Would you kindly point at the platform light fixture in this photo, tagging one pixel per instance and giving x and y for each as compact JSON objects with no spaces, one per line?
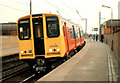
{"x":111,"y":14}
{"x":106,"y":6}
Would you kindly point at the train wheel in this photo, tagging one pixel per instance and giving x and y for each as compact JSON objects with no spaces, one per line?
{"x":75,"y":51}
{"x":68,"y":56}
{"x":63,"y":60}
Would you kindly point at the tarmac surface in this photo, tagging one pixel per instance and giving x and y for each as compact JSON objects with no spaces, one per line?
{"x":89,"y":64}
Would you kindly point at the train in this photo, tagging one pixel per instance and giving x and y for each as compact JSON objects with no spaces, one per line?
{"x":45,"y":38}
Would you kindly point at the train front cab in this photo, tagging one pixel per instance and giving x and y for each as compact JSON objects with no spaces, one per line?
{"x":40,"y":35}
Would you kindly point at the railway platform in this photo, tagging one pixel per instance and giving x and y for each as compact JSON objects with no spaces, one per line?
{"x":92,"y":63}
{"x":9,"y":45}
{"x":9,"y":51}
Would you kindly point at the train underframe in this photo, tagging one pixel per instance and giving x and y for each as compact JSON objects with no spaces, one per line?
{"x":42,"y":64}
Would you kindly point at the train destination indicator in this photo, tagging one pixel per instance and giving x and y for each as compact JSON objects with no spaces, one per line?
{"x":24,"y":21}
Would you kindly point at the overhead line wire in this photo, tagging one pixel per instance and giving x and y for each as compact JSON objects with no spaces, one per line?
{"x":52,"y":5}
{"x":56,"y":7}
{"x":70,"y":8}
{"x":20,"y":2}
{"x":12,"y":8}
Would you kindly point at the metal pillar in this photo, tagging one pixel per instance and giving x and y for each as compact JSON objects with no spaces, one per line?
{"x":99,"y":25}
{"x":85,"y":25}
{"x":30,"y":7}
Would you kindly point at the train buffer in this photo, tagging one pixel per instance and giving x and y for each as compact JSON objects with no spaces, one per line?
{"x":92,"y":63}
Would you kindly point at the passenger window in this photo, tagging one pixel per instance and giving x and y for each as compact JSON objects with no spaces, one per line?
{"x":74,"y":32}
{"x":71,"y":33}
{"x":37,"y":34}
{"x":52,"y":25}
{"x":38,"y":27}
{"x":80,"y":33}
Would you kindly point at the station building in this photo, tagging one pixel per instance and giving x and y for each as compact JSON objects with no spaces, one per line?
{"x":8,"y":28}
{"x":111,"y":33}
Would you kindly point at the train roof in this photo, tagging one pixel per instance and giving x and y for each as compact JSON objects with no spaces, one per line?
{"x":62,"y":18}
{"x":68,"y":20}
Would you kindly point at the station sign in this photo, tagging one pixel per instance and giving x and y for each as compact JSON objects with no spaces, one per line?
{"x":95,"y":29}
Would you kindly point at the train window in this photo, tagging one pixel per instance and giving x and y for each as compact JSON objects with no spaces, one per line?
{"x":74,"y":33}
{"x":78,"y":36}
{"x":71,"y":33}
{"x":38,"y":27}
{"x":52,"y":25}
{"x":80,"y":33}
{"x":24,"y":29}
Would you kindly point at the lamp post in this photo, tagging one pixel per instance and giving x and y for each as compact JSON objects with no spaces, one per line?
{"x":85,"y":24}
{"x":99,"y":25}
{"x":85,"y":21}
{"x":111,"y":16}
{"x":30,"y":7}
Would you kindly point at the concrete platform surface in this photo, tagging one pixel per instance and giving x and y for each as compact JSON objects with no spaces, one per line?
{"x":9,"y":45}
{"x":89,"y":64}
{"x":9,"y":51}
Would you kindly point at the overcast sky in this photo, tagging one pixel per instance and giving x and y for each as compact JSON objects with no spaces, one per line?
{"x":11,"y":10}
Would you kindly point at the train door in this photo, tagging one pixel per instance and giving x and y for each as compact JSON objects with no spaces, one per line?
{"x":74,"y":35}
{"x":38,"y":36}
{"x":65,"y":31}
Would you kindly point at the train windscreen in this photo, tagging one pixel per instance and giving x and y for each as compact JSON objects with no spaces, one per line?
{"x":52,"y":24}
{"x":24,"y":29}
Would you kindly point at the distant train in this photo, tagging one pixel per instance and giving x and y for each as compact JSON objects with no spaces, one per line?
{"x":47,"y":37}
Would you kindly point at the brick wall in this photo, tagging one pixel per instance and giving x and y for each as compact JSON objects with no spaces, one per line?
{"x":116,"y":38}
{"x":108,"y":39}
{"x":115,"y":45}
{"x":119,"y":44}
{"x":113,"y":40}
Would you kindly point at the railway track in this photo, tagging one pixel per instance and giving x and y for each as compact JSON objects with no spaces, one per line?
{"x":11,"y":66}
{"x":11,"y":58}
{"x":16,"y":70}
{"x":20,"y":71}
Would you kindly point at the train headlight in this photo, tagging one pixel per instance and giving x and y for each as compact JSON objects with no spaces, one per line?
{"x":58,"y":49}
{"x":21,"y":51}
{"x":50,"y":50}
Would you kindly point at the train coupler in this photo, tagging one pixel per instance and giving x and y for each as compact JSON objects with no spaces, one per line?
{"x":40,"y":65}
